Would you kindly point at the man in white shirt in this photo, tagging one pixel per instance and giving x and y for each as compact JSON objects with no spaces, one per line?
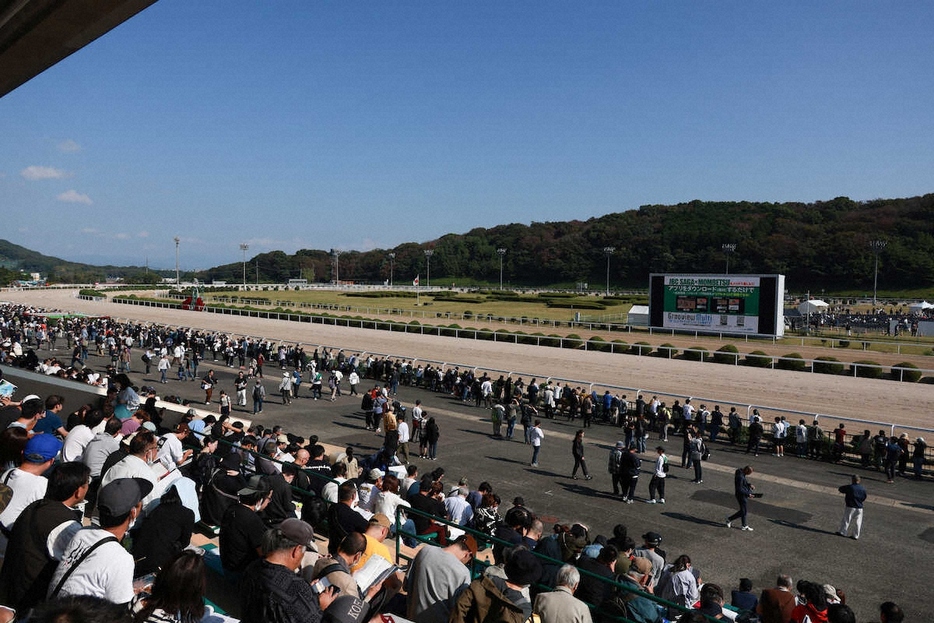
{"x":138,"y":464}
{"x":171,"y":452}
{"x":95,"y":563}
{"x":402,"y":428}
{"x":80,"y":436}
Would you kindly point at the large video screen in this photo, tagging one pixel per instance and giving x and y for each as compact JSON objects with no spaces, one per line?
{"x":745,"y":304}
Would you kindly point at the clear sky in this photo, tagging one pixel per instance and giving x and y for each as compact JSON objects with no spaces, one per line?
{"x":359,"y":125}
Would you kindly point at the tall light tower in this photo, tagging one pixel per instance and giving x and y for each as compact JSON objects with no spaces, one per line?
{"x":877,"y":247}
{"x":428,"y":254}
{"x":244,"y":248}
{"x":609,"y":251}
{"x":178,"y":284}
{"x":337,"y":266}
{"x":392,"y":262}
{"x":728,"y":248}
{"x":502,"y":253}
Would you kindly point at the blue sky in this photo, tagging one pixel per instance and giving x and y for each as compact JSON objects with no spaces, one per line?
{"x":362,"y":125}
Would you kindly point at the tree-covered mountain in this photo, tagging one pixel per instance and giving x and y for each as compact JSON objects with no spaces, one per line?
{"x":15,"y":260}
{"x":816,"y":245}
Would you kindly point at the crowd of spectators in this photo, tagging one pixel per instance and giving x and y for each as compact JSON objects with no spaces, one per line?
{"x":265,"y":490}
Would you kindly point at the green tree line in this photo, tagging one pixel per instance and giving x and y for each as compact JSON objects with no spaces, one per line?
{"x":816,"y":245}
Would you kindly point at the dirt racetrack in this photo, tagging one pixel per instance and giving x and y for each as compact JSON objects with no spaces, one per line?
{"x":901,"y":404}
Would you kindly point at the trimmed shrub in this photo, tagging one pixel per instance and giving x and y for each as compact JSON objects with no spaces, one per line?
{"x":728,"y":353}
{"x":758,"y":359}
{"x":553,"y":340}
{"x":867,"y":369}
{"x":667,"y":350}
{"x":911,"y":375}
{"x":524,"y":338}
{"x":696,"y":353}
{"x":843,"y":343}
{"x":791,"y":361}
{"x":641,"y":348}
{"x":597,"y":343}
{"x":485,"y":335}
{"x":572,"y":341}
{"x":828,"y":365}
{"x":619,"y":346}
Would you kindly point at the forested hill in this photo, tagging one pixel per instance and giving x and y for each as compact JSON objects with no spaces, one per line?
{"x":817,"y":245}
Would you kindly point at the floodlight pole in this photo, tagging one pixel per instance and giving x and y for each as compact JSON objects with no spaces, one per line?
{"x":728,"y":249}
{"x":428,"y":254}
{"x":502,"y":253}
{"x":244,"y":248}
{"x":337,"y":266}
{"x":392,"y":261}
{"x":877,"y":246}
{"x":609,"y":251}
{"x":178,"y":283}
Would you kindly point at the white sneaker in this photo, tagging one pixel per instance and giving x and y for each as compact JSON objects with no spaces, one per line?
{"x":661,"y":501}
{"x":729,"y":524}
{"x":747,"y":528}
{"x":652,"y":501}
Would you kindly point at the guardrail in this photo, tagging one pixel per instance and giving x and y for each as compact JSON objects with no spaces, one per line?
{"x":811,"y":415}
{"x":817,"y":365}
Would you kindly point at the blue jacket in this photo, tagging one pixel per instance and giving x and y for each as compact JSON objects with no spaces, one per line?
{"x":855,"y":495}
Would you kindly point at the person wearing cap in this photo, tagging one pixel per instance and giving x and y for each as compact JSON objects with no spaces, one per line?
{"x":270,"y":590}
{"x":649,"y":551}
{"x":95,"y":563}
{"x":376,"y":533}
{"x":170,"y":446}
{"x":436,"y":577}
{"x":242,"y":528}
{"x":29,"y":564}
{"x":285,"y":388}
{"x":560,"y":605}
{"x":855,"y":496}
{"x":504,"y":596}
{"x":636,"y":608}
{"x":27,"y":480}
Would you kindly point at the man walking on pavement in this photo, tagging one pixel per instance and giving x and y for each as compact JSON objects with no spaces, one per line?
{"x":743,"y":491}
{"x":855,"y":496}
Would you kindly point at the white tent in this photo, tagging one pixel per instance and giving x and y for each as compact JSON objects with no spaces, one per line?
{"x":917,"y":308}
{"x":813,"y":306}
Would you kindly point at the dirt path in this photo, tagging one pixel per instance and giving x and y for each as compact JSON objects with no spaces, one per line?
{"x":906,"y":404}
